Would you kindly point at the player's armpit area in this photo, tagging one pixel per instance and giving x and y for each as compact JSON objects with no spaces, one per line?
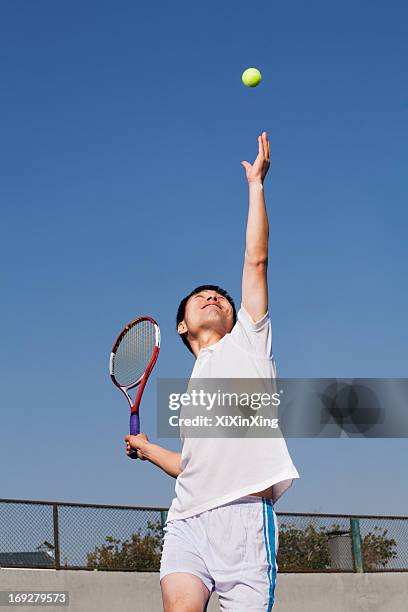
{"x":253,"y":336}
{"x":253,"y":324}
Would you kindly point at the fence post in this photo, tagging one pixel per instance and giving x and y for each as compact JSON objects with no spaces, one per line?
{"x":356,"y":544}
{"x":163,"y":517}
{"x":56,"y":536}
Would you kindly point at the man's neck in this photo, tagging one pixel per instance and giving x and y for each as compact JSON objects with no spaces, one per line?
{"x":205,"y":339}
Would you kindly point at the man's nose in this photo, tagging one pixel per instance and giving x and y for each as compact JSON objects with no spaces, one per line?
{"x":212,"y":297}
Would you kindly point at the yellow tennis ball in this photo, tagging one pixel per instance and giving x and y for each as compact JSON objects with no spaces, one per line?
{"x":251,"y":77}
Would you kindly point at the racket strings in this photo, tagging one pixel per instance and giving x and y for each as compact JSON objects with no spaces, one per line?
{"x":134,"y":353}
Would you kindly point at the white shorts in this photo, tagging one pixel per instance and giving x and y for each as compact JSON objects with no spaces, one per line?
{"x":232,"y":548}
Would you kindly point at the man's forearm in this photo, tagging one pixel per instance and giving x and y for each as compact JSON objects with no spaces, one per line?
{"x":167,"y":460}
{"x":257,"y":233}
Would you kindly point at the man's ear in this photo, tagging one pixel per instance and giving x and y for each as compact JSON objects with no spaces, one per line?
{"x":182,"y":327}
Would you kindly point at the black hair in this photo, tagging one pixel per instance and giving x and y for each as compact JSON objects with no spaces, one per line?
{"x":182,"y":307}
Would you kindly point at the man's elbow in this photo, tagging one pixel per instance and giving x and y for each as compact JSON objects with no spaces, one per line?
{"x":257,"y":260}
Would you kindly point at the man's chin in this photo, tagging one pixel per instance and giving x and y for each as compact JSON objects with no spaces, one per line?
{"x":213,"y":313}
{"x":215,"y":319}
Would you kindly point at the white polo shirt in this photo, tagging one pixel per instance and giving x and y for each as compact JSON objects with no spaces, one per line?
{"x":219,"y":470}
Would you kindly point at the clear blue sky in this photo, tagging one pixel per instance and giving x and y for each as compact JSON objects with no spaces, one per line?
{"x":123,"y":126}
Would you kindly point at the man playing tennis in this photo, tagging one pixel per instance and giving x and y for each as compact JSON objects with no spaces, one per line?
{"x":221,"y":532}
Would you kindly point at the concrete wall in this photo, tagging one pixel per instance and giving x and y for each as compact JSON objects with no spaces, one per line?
{"x":92,"y":591}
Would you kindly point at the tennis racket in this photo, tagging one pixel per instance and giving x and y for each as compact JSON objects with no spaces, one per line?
{"x":132,"y":360}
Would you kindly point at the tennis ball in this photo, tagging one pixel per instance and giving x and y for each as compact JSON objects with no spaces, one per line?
{"x":251,"y":77}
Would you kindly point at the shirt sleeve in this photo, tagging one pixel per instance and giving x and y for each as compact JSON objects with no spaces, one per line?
{"x":254,"y":337}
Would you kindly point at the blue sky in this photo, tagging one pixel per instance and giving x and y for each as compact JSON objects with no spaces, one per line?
{"x":123,"y":126}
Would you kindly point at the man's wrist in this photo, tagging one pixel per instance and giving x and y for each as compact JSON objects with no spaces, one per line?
{"x":258,"y":184}
{"x":146,"y":448}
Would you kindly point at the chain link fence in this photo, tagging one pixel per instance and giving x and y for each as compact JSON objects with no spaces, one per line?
{"x":54,"y":535}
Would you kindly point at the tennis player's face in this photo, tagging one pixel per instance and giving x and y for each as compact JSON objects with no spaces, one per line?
{"x":208,"y":310}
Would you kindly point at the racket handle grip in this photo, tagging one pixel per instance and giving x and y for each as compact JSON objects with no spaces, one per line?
{"x":134,"y":428}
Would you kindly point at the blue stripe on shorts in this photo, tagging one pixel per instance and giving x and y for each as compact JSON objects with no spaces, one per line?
{"x":269,"y":536}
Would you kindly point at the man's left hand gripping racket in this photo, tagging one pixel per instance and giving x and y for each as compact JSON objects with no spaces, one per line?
{"x":131,"y":361}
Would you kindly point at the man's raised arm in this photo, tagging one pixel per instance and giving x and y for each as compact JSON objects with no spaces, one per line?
{"x":254,"y":277}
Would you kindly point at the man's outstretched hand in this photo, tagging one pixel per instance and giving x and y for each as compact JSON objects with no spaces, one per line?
{"x":258,"y":170}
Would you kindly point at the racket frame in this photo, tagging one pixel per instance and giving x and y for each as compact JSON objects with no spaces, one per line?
{"x":141,"y":382}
